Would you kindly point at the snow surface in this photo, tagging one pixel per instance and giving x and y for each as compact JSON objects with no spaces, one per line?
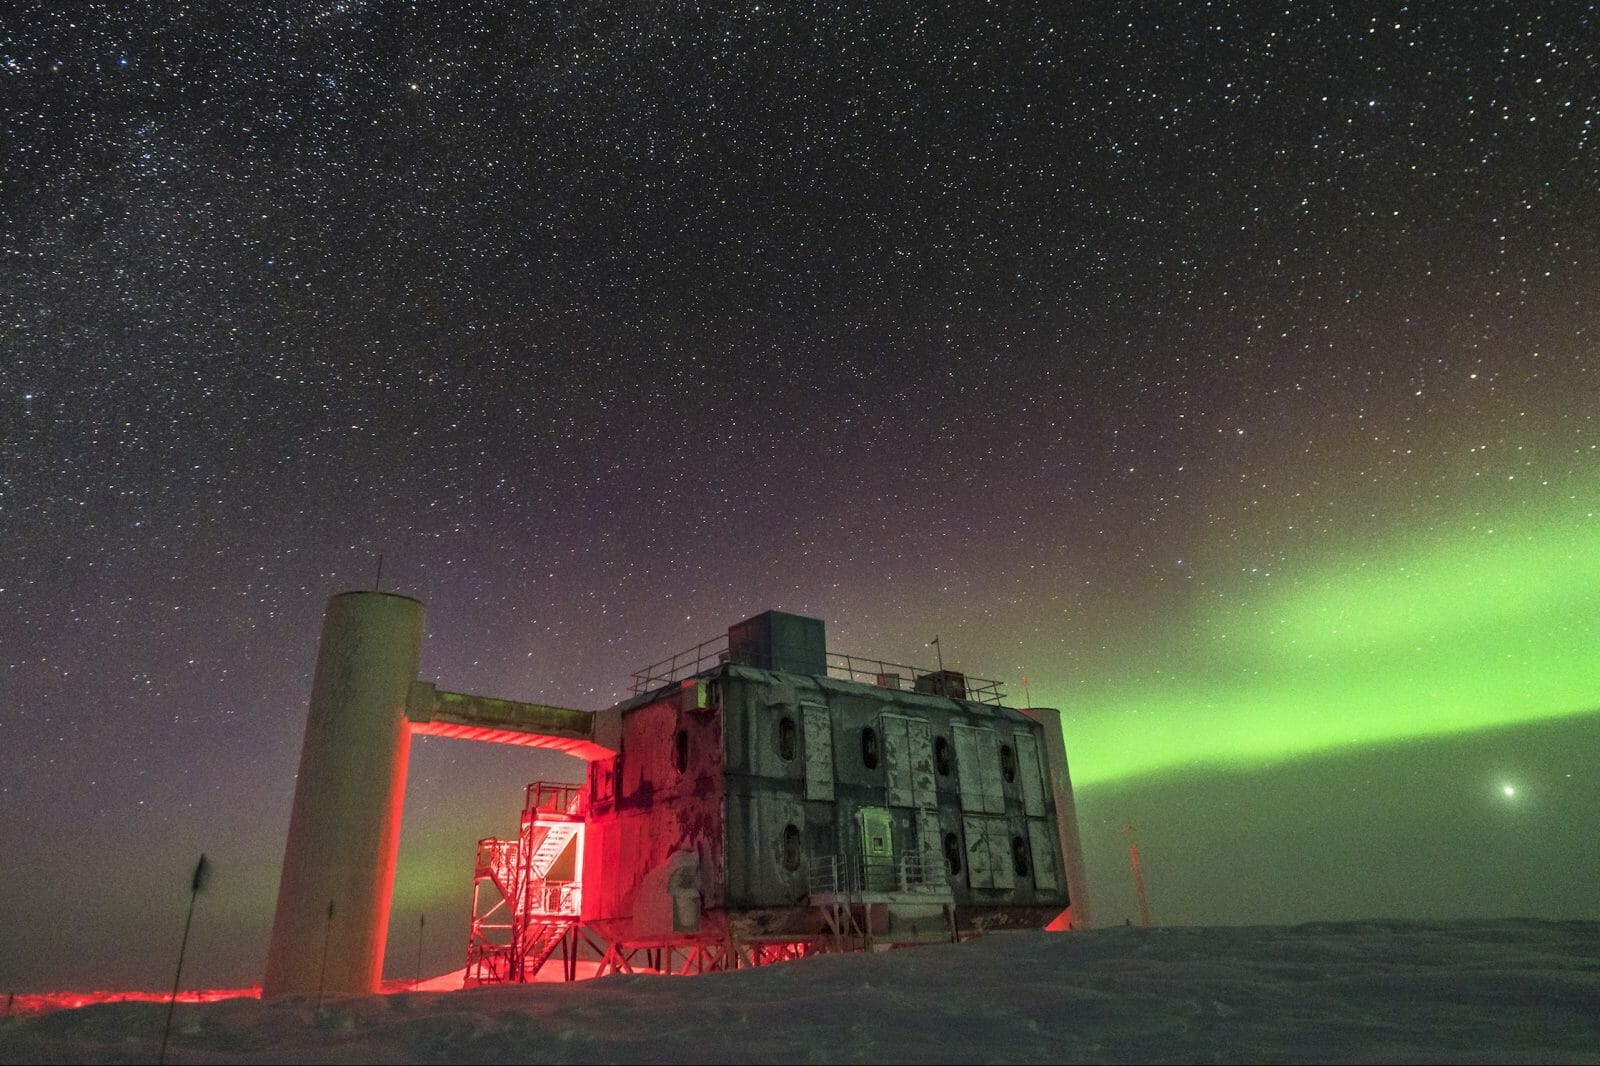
{"x":1517,"y":991}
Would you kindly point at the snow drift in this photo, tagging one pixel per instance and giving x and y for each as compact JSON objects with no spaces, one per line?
{"x":1347,"y":992}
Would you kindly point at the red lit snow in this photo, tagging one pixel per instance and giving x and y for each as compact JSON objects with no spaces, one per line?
{"x":1356,"y":992}
{"x":42,"y":1002}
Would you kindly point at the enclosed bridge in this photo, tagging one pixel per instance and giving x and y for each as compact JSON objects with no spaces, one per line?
{"x":757,"y":798}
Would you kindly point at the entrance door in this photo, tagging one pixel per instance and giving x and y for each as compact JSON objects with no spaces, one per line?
{"x":877,"y":850}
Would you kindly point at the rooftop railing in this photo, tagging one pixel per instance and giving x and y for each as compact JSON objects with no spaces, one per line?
{"x":703,"y":656}
{"x":709,"y":654}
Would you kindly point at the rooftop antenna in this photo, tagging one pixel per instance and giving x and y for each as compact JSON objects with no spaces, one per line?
{"x":934,"y":643}
{"x":379,"y":579}
{"x":1027,"y":695}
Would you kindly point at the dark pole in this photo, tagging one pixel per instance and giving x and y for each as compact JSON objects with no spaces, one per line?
{"x":183,"y":946}
{"x":322,"y":978}
{"x":422,"y":923}
{"x":1138,"y":876}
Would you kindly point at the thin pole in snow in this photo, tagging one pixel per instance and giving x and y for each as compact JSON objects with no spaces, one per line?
{"x":322,"y":979}
{"x":422,"y":923}
{"x":1138,"y":876}
{"x":195,"y":884}
{"x":1138,"y":884}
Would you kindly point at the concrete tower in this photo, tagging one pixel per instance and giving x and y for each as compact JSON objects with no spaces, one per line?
{"x":1055,"y":754}
{"x":345,"y":828}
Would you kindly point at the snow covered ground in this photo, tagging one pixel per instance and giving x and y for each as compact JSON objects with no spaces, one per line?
{"x":1507,"y":991}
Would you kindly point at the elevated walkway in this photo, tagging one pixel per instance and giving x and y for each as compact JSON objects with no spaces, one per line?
{"x":433,"y":713}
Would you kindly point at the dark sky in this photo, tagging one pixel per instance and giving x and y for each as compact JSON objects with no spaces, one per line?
{"x":1229,"y":370}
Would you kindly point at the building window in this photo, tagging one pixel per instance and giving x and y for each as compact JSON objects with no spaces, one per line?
{"x":952,"y":854}
{"x":1008,"y":763}
{"x":788,"y":739}
{"x":1019,"y":856}
{"x":791,"y":847}
{"x":941,"y":756}
{"x":680,"y":751}
{"x":869,"y":748}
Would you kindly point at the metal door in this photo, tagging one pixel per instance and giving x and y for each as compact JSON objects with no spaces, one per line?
{"x":989,"y":863}
{"x":930,"y":844}
{"x":896,"y":760}
{"x":818,"y":726}
{"x":978,"y":769}
{"x":919,"y":736}
{"x":1042,"y":848}
{"x":1028,"y":775}
{"x":980,"y":871}
{"x":908,"y":758}
{"x":877,"y":850}
{"x":1000,"y":853}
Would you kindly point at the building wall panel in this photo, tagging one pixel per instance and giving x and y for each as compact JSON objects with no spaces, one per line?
{"x":661,"y":797}
{"x":1030,"y":774}
{"x":820,"y":787}
{"x":818,"y":738}
{"x":1042,"y":848}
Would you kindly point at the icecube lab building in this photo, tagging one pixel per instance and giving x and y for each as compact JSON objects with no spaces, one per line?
{"x":758,"y":798}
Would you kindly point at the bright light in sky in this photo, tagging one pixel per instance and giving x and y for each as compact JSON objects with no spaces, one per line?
{"x":1509,"y":790}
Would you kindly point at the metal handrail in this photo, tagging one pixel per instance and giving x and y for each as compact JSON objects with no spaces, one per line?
{"x":904,"y":678}
{"x":905,"y":873}
{"x":496,"y":856}
{"x":555,"y":897}
{"x":553,"y":797}
{"x":702,"y":656}
{"x":918,"y":871}
{"x":860,"y":668}
{"x":822,"y":875}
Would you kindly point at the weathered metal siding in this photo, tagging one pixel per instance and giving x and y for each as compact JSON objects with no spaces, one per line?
{"x":972,"y":809}
{"x":649,"y":819}
{"x":780,"y":808}
{"x":908,"y":760}
{"x":817,"y":737}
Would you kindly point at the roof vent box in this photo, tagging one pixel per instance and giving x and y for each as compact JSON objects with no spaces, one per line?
{"x":951,"y":683}
{"x":774,"y":640}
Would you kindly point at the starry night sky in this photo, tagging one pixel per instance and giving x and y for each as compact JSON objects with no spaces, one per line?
{"x":1229,"y":370}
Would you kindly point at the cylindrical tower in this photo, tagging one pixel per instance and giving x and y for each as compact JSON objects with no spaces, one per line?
{"x":345,"y":827}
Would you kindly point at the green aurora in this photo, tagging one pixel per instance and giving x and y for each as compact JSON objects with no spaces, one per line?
{"x":1448,"y":633}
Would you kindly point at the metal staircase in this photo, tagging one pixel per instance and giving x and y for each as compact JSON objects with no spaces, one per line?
{"x":518,"y":925}
{"x":555,"y":840}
